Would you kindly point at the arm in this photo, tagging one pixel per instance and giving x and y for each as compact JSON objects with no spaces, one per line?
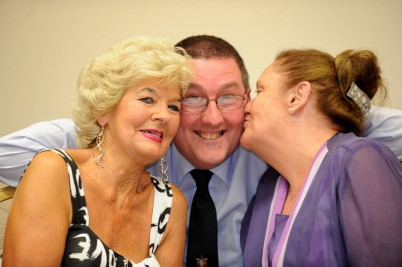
{"x":171,"y":250}
{"x":40,"y":215}
{"x":385,"y":126}
{"x":371,"y":208}
{"x":17,"y":149}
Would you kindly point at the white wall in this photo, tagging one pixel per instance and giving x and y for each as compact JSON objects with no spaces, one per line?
{"x":45,"y":43}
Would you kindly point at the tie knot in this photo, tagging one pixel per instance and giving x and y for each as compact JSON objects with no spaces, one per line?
{"x":201,"y":177}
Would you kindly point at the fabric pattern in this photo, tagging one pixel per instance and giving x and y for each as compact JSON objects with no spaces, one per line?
{"x":85,"y":248}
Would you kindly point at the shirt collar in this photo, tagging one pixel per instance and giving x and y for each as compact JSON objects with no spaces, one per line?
{"x":223,"y":171}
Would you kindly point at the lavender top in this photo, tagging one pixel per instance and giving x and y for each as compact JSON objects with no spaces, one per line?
{"x":351,"y":214}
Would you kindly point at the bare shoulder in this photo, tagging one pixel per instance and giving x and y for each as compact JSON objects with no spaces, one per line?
{"x":178,"y":194}
{"x":45,"y":176}
{"x":44,"y":188}
{"x":40,"y":212}
{"x":178,"y":197}
{"x":44,"y":166}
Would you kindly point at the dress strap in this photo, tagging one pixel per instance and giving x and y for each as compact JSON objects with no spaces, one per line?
{"x":79,"y":206}
{"x":163,"y":197}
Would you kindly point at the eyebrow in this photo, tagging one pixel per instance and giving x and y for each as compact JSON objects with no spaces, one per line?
{"x":229,"y":85}
{"x":221,"y":88}
{"x":149,"y":89}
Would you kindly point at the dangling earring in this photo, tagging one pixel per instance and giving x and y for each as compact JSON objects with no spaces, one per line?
{"x":99,"y":140}
{"x":163,"y":168}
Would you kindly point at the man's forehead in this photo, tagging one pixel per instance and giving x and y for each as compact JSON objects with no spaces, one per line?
{"x":219,"y":70}
{"x":217,"y":75}
{"x":226,"y":62}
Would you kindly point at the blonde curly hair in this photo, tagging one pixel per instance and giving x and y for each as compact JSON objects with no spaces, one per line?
{"x":103,"y":82}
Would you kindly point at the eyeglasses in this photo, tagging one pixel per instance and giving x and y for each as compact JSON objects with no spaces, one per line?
{"x":194,"y":104}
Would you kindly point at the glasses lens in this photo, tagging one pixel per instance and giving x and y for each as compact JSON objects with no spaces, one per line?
{"x":229,"y":102}
{"x":194,"y":104}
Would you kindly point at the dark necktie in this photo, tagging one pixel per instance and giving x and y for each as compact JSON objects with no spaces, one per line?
{"x":202,"y":242}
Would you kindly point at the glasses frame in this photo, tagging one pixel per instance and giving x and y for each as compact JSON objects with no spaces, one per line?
{"x":243,"y":97}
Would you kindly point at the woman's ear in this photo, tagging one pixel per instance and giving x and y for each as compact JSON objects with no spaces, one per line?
{"x":102,"y":121}
{"x":298,"y":96}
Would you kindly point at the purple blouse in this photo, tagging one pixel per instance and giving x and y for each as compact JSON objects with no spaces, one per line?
{"x":280,"y":222}
{"x":351,"y":214}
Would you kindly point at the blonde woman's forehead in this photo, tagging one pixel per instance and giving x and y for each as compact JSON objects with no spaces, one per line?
{"x":154,"y":88}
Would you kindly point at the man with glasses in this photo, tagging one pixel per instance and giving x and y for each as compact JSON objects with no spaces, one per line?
{"x":211,"y":123}
{"x":208,"y":139}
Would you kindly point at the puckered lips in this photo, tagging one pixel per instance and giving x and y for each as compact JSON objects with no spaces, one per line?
{"x":246,"y":119}
{"x":210,"y":135}
{"x":153,"y":134}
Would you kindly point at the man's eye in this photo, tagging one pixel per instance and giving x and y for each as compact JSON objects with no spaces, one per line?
{"x":194,"y":100}
{"x":227,"y":97}
{"x":175,"y":108}
{"x":147,"y":100}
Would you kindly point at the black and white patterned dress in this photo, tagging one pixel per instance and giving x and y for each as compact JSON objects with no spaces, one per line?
{"x":84,"y":248}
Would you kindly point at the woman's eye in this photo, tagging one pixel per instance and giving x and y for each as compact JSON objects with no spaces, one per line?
{"x":175,"y":108}
{"x":147,"y":100}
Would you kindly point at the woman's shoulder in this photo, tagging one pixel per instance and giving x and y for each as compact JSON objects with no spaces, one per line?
{"x":352,"y":145}
{"x":46,"y":171}
{"x":47,"y":161}
{"x":178,"y":193}
{"x":350,"y":153}
{"x":45,"y":182}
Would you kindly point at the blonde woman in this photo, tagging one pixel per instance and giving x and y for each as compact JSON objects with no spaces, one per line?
{"x":98,"y":206}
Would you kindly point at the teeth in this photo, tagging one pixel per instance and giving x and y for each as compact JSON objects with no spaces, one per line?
{"x":210,"y":136}
{"x":153,"y":133}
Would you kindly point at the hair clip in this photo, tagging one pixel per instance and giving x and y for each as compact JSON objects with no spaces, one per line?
{"x":360,"y":97}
